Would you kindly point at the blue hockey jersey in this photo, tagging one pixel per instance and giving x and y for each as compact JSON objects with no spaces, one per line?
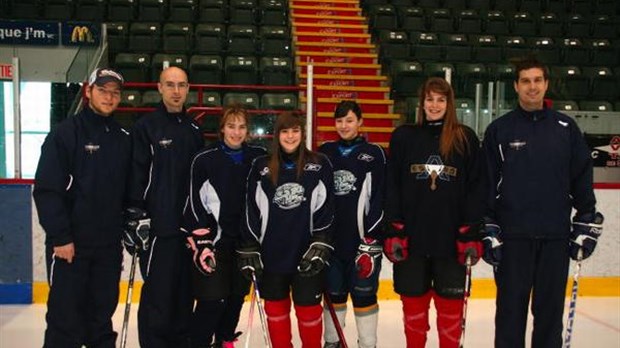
{"x":217,"y":191}
{"x":359,"y":185}
{"x":284,"y":217}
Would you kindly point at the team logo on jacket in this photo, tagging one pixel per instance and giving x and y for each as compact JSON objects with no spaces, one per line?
{"x":344,"y":182}
{"x":289,"y":195}
{"x":91,"y":148}
{"x":433,"y":169}
{"x":517,"y":144}
{"x":264,"y":171}
{"x":165,"y":143}
{"x":365,"y":157}
{"x":312,"y":167}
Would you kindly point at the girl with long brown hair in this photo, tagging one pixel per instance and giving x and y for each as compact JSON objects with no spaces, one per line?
{"x":433,"y":214}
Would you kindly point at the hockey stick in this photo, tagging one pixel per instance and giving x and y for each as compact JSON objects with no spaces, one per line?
{"x":332,"y":314}
{"x":573,"y":302}
{"x":132,"y":273}
{"x":261,"y":312}
{"x":250,"y":320}
{"x":466,"y":295}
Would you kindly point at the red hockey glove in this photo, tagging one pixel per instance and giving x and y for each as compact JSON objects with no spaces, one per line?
{"x":469,"y":243}
{"x":204,"y":254}
{"x":396,"y":245}
{"x":368,"y":257}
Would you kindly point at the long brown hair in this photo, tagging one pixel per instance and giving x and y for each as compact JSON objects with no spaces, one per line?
{"x":284,"y":121}
{"x":452,"y":134}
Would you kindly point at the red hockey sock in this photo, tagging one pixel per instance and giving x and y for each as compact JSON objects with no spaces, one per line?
{"x":279,"y":322}
{"x":449,"y":315}
{"x":310,"y":324}
{"x":415,"y":309}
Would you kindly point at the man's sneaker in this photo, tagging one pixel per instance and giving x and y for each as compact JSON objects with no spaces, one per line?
{"x":332,"y":345}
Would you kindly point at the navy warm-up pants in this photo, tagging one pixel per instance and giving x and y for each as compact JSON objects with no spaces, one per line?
{"x":83,"y":297}
{"x":166,"y":300}
{"x":539,"y":267}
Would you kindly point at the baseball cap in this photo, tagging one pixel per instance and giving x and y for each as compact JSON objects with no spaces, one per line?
{"x":101,"y":76}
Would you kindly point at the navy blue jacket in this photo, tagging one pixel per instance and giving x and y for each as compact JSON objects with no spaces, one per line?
{"x":163,"y":147}
{"x":359,"y":187}
{"x":538,"y":168}
{"x":80,"y":181}
{"x":217,"y":192}
{"x":284,"y":218}
{"x":433,"y":195}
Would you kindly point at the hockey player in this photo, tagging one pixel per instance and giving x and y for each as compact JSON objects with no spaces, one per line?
{"x":289,"y":213}
{"x":538,"y":167}
{"x":359,"y":180}
{"x":433,"y":213}
{"x":164,"y":143}
{"x":79,"y":191}
{"x":217,"y":198}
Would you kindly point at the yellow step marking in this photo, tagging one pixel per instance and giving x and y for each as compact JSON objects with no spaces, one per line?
{"x":329,"y":17}
{"x":330,"y":25}
{"x":350,"y":88}
{"x":336,"y":54}
{"x":341,"y":65}
{"x":326,"y":8}
{"x":347,"y":77}
{"x":335,"y":44}
{"x":314,"y":33}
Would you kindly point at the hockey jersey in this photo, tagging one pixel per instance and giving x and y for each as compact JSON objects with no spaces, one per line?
{"x":163,"y":147}
{"x":80,"y":180}
{"x":359,"y":185}
{"x":432,"y":195}
{"x":538,"y":168}
{"x":284,"y":217}
{"x":217,"y":191}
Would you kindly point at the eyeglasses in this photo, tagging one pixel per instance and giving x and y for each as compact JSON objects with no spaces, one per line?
{"x":172,"y":85}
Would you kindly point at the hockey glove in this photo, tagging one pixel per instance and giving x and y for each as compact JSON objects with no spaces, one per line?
{"x":368,"y":257}
{"x":204,"y":253}
{"x":249,"y":261}
{"x":469,"y":243}
{"x":396,"y":245}
{"x":584,"y":235}
{"x":492,"y":243}
{"x":315,"y":258}
{"x":137,"y":228}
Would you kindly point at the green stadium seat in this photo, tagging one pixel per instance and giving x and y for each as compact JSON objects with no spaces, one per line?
{"x":242,"y":12}
{"x":159,"y":59}
{"x":151,"y":98}
{"x":274,"y":41}
{"x":118,"y":35}
{"x":468,"y":22}
{"x":407,"y":76}
{"x":182,"y":11}
{"x":273,"y":12}
{"x":565,"y":105}
{"x":383,"y":17}
{"x":441,"y":21}
{"x":91,"y":10}
{"x":205,"y":69}
{"x":425,"y":47}
{"x":241,"y":39}
{"x":58,"y":9}
{"x":546,"y":50}
{"x":279,"y":101}
{"x":240,"y":70}
{"x":595,"y":105}
{"x":177,"y":37}
{"x":247,"y":100}
{"x":602,"y":82}
{"x":412,"y":19}
{"x":210,"y":38}
{"x":152,"y":10}
{"x":394,"y":45}
{"x":213,"y":11}
{"x":276,"y":71}
{"x":456,"y":47}
{"x":121,"y":10}
{"x":495,"y":23}
{"x":145,"y":37}
{"x":523,"y":24}
{"x":135,"y":67}
{"x":130,"y":98}
{"x":550,"y":25}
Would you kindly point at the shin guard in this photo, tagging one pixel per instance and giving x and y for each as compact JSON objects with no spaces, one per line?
{"x":366,"y":319}
{"x":415,"y":310}
{"x":449,"y":315}
{"x":331,"y":335}
{"x":279,"y":322}
{"x":310,"y":324}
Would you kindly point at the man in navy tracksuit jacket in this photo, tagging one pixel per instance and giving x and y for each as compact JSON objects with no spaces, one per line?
{"x":79,"y":191}
{"x":164,"y":143}
{"x":539,"y":167}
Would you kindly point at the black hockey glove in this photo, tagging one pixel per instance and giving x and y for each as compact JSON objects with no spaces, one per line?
{"x":201,"y":242}
{"x":584,"y":235}
{"x":368,"y":257}
{"x":396,"y":244}
{"x":249,"y":261}
{"x":315,"y":258}
{"x":137,"y":228}
{"x":492,"y":243}
{"x":469,"y":243}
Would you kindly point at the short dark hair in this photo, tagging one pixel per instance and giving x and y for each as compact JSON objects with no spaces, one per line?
{"x":529,"y":62}
{"x":343,"y":108}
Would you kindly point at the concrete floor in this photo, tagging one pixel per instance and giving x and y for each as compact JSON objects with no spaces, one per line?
{"x":597,"y":324}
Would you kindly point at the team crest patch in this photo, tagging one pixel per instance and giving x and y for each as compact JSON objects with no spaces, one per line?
{"x":289,"y":195}
{"x":312,"y":167}
{"x":165,"y":143}
{"x":365,"y":157}
{"x":517,"y":144}
{"x":344,"y":182}
{"x":91,"y":148}
{"x":433,"y":169}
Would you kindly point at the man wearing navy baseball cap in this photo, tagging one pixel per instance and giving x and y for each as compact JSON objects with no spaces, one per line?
{"x":79,"y":190}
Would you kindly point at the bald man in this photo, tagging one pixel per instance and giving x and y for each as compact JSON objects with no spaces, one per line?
{"x":164,"y":143}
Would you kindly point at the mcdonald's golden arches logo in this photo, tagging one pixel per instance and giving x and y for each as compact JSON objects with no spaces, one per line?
{"x":82,"y":34}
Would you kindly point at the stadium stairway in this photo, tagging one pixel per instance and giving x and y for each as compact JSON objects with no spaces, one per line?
{"x":333,"y":35}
